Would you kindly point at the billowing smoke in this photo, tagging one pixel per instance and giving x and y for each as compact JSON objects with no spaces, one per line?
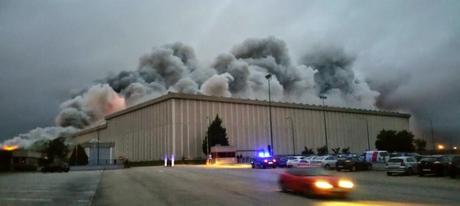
{"x":92,"y":106}
{"x":36,"y":138}
{"x":239,"y":74}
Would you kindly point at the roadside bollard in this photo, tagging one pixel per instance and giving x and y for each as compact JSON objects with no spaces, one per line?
{"x":166,"y":160}
{"x":172,"y":160}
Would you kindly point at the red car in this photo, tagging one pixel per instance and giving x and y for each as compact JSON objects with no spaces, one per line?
{"x":314,"y":181}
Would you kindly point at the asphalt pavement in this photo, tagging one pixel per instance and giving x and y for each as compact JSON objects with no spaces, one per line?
{"x":36,"y":188}
{"x":199,"y":185}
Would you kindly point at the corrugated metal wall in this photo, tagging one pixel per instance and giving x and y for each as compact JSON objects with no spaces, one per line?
{"x":148,"y":133}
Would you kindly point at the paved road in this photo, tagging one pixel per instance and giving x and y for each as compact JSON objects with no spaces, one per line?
{"x":195,"y":185}
{"x":73,"y":188}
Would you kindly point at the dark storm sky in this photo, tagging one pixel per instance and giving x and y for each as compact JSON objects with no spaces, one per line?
{"x":407,"y":50}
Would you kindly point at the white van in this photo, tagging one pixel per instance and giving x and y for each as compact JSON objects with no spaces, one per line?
{"x":377,"y":156}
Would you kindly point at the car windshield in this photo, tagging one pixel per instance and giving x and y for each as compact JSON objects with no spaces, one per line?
{"x":428,"y":159}
{"x":308,"y":172}
{"x":395,"y":160}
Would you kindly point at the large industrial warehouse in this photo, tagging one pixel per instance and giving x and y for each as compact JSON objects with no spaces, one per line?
{"x":176,"y":124}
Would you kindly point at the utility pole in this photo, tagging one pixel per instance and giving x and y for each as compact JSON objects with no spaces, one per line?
{"x":324,"y":118}
{"x":432,"y":135}
{"x":272,"y":148}
{"x":97,"y":161}
{"x":368,"y":140}
{"x":292,"y":134}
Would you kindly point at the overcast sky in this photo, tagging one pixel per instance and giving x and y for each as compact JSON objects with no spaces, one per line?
{"x":407,"y":50}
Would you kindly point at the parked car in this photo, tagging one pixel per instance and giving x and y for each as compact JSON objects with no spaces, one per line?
{"x":327,"y":161}
{"x":401,"y":165}
{"x":264,"y":162}
{"x":454,"y":166}
{"x":56,"y":167}
{"x":293,"y":161}
{"x":436,"y":164}
{"x":282,"y":161}
{"x":314,"y":181}
{"x":376,"y":156}
{"x":353,"y":164}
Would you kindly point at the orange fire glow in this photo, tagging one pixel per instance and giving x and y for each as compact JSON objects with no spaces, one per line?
{"x":10,"y":147}
{"x":116,"y":104}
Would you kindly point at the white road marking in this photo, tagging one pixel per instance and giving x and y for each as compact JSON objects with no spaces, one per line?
{"x":25,"y":199}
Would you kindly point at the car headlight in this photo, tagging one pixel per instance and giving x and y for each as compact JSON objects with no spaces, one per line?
{"x":346,"y":184}
{"x":323,"y":185}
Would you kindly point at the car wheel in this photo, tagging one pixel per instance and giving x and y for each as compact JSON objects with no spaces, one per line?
{"x":338,"y":169}
{"x":410,"y":171}
{"x":389,"y":173}
{"x":353,"y":169}
{"x":327,"y":167}
{"x":253,"y":166}
{"x":283,"y":187}
{"x":421,"y":174}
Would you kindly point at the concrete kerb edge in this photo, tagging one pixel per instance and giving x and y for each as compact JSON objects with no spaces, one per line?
{"x":91,"y":198}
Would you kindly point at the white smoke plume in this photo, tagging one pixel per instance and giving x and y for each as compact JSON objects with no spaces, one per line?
{"x":238,"y":74}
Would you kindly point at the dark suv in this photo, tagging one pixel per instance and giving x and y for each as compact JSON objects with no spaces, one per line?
{"x":436,"y":164}
{"x":454,"y":166}
{"x":353,"y":164}
{"x":264,"y":162}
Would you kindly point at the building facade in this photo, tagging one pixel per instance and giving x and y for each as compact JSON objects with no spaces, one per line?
{"x":176,"y":124}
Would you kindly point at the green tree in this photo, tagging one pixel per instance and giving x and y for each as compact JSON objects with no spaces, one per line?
{"x":346,"y":150}
{"x":78,"y":156}
{"x":56,"y":150}
{"x":336,"y":150}
{"x":392,"y":141}
{"x":307,"y":151}
{"x":420,"y":145}
{"x":322,"y":150}
{"x":217,"y":135}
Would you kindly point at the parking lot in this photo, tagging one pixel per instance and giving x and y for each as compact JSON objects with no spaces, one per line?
{"x":201,"y":185}
{"x":35,"y":188}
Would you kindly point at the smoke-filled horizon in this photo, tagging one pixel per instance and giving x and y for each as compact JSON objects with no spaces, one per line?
{"x":324,"y":71}
{"x":387,"y":54}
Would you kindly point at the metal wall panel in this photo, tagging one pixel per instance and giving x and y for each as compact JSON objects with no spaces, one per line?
{"x":180,"y":124}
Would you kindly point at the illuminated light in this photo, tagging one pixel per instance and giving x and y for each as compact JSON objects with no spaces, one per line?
{"x":265,"y":161}
{"x":437,"y":162}
{"x":323,"y":185}
{"x":346,"y":184}
{"x":274,"y":160}
{"x":455,"y":148}
{"x":264,"y":154}
{"x":10,"y":147}
{"x":440,"y":146}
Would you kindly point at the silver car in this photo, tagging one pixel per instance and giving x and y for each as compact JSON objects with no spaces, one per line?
{"x":401,"y":165}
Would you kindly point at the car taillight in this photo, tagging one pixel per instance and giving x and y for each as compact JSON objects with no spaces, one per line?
{"x":265,"y":161}
{"x":274,"y":160}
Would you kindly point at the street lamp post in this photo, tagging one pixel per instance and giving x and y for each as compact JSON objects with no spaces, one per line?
{"x":272,"y":148}
{"x":367,"y":132}
{"x":292,"y":134}
{"x":324,"y":119}
{"x":97,"y":161}
{"x":207,"y":135}
{"x":432,"y":135}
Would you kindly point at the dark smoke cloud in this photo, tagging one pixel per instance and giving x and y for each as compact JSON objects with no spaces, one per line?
{"x":334,"y":69}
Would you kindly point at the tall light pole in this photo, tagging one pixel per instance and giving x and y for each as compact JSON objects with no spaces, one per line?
{"x":368,"y":140}
{"x":292,"y":134}
{"x":272,"y":148}
{"x":432,"y":135}
{"x":207,"y":135}
{"x":324,"y":119}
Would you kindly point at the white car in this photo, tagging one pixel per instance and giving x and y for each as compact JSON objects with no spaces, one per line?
{"x":401,"y":165}
{"x":297,"y":161}
{"x":326,"y":161}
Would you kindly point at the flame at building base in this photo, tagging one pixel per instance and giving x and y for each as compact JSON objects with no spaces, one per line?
{"x":10,"y":147}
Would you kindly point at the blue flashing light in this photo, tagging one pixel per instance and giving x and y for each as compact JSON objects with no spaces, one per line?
{"x":264,"y":154}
